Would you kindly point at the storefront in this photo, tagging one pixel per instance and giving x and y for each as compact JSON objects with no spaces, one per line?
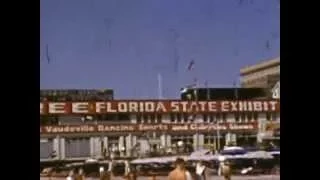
{"x":46,"y":148}
{"x":77,"y":147}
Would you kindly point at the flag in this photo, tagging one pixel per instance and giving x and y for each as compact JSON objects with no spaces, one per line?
{"x":191,"y":64}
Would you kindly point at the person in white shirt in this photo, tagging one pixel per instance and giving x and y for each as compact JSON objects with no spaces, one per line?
{"x":200,"y":171}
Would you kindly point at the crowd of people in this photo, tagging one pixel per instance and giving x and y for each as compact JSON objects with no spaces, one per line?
{"x":180,"y":172}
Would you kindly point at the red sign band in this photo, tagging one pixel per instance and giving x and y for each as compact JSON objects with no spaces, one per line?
{"x":168,"y":106}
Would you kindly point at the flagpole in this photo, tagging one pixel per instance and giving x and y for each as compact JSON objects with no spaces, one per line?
{"x":208,"y":99}
{"x":195,"y":91}
{"x":160,"y":86}
{"x":235,"y":90}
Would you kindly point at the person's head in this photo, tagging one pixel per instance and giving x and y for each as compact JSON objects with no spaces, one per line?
{"x":101,"y":169}
{"x":71,"y":172}
{"x":80,"y":171}
{"x":180,"y":163}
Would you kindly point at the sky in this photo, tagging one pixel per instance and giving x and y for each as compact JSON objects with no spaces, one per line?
{"x":125,"y":44}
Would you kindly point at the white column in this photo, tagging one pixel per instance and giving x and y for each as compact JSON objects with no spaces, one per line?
{"x":62,"y":148}
{"x":234,"y":138}
{"x":195,"y":140}
{"x":97,"y":147}
{"x":134,"y":140}
{"x":168,"y":138}
{"x":262,"y":121}
{"x":278,"y":117}
{"x":56,"y":146}
{"x":128,"y":145}
{"x":106,"y":144}
{"x":201,"y":141}
{"x":92,"y":147}
{"x":163,"y":140}
{"x":227,"y":138}
{"x":121,"y":144}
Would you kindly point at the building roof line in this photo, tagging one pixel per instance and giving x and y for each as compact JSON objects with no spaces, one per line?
{"x":262,"y":65}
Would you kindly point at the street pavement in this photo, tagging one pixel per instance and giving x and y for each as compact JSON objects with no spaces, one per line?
{"x":262,"y":177}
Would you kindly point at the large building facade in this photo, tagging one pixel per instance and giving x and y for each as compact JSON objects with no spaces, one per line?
{"x":131,"y":128}
{"x":265,"y":75}
{"x":262,"y":75}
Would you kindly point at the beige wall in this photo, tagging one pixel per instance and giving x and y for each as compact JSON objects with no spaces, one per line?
{"x":260,"y":75}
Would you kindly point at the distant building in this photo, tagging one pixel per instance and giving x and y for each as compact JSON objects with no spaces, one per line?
{"x":262,"y":75}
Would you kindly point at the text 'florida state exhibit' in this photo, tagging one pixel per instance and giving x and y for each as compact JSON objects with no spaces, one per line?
{"x":167,"y":106}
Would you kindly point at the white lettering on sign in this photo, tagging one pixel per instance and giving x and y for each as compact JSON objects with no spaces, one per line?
{"x":157,"y":107}
{"x":80,"y":108}
{"x":225,"y":106}
{"x":57,"y":108}
{"x":136,"y":128}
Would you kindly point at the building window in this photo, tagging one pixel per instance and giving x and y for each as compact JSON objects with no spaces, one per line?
{"x":138,"y":117}
{"x":172,"y":117}
{"x":218,"y":117}
{"x":249,"y":115}
{"x":268,"y":116}
{"x":152,"y":118}
{"x":274,"y":116}
{"x":237,"y":117}
{"x":179,"y":117}
{"x":212,"y":118}
{"x":205,"y":117}
{"x":224,"y":117}
{"x":243,"y":117}
{"x":159,"y":117}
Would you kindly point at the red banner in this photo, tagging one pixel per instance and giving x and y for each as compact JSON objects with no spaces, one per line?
{"x":127,"y":128}
{"x":151,"y":106}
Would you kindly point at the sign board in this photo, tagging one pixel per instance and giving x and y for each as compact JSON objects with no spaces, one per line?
{"x":157,"y":106}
